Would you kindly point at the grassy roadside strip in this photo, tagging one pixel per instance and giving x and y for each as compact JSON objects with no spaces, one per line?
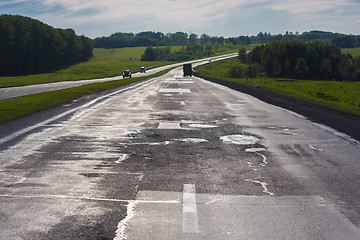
{"x":105,"y":63}
{"x":343,"y":96}
{"x":22,"y":106}
{"x":337,"y":95}
{"x":81,"y":71}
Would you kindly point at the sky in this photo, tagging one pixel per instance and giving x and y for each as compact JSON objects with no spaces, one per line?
{"x":227,"y":18}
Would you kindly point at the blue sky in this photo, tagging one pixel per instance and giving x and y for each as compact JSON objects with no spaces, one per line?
{"x":228,"y":18}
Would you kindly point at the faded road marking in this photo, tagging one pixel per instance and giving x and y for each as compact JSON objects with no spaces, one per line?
{"x":174,"y":90}
{"x":190,"y":217}
{"x":192,"y":140}
{"x":169,"y":125}
{"x":239,"y":139}
{"x":197,"y":125}
{"x":57,"y":117}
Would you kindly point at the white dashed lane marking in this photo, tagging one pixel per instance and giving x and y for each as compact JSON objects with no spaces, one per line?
{"x":169,"y":125}
{"x":174,"y":90}
{"x":190,"y":216}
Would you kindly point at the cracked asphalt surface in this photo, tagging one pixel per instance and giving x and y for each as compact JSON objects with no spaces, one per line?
{"x":176,"y":158}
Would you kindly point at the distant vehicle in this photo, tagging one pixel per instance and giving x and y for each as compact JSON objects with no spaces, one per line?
{"x":142,"y":69}
{"x":126,"y":73}
{"x":187,"y":69}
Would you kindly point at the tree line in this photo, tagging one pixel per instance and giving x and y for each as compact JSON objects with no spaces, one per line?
{"x":337,"y":39}
{"x":29,"y":46}
{"x":299,"y":59}
{"x":144,"y":39}
{"x":184,"y":54}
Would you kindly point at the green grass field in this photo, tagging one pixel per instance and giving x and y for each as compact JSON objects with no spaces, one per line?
{"x":105,"y":63}
{"x":22,"y":106}
{"x":344,"y":96}
{"x":353,"y":51}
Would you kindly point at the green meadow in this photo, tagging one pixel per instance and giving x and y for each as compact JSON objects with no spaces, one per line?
{"x":105,"y":63}
{"x":343,"y":96}
{"x":353,"y":51}
{"x":22,"y":106}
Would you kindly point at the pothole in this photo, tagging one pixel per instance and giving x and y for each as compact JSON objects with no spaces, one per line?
{"x":239,"y":139}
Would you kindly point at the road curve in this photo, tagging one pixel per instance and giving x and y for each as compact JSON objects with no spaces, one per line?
{"x":12,"y":92}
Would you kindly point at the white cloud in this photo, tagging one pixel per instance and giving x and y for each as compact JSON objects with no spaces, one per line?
{"x":181,"y":15}
{"x":309,"y":6}
{"x":7,"y":2}
{"x":327,"y":15}
{"x":220,"y":17}
{"x":170,"y":11}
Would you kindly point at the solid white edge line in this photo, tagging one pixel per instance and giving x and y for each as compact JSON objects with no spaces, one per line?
{"x":41,"y":124}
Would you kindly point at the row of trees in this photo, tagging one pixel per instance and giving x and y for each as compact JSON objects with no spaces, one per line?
{"x":340,"y":40}
{"x":298,"y":59}
{"x":30,"y":46}
{"x":184,"y":54}
{"x":119,"y":40}
{"x":346,"y":41}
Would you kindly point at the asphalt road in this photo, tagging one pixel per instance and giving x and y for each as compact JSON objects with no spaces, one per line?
{"x":12,"y":92}
{"x":176,"y":158}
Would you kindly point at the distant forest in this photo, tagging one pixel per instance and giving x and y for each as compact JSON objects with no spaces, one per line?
{"x":29,"y":46}
{"x":298,"y":59}
{"x":144,"y":39}
{"x":186,"y":53}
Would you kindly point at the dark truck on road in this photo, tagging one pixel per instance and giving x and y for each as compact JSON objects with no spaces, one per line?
{"x":187,"y":69}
